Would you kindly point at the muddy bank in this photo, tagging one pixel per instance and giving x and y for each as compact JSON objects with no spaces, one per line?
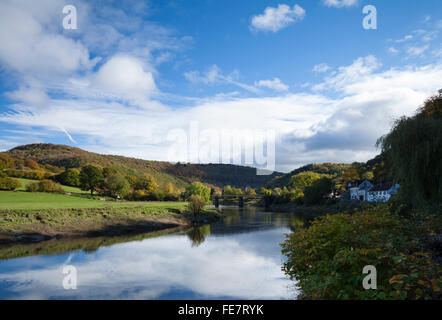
{"x":31,"y":226}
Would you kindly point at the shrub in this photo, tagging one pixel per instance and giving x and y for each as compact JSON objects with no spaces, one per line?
{"x":196,"y":204}
{"x":327,"y":259}
{"x":45,"y":186}
{"x":32,"y":187}
{"x":9,"y":184}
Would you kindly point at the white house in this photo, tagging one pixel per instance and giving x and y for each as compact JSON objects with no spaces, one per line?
{"x":367,"y":191}
{"x":359,"y":189}
{"x":382,"y":192}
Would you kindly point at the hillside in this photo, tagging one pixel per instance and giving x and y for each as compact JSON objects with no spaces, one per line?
{"x":333,"y":169}
{"x":180,"y":175}
{"x":373,"y":169}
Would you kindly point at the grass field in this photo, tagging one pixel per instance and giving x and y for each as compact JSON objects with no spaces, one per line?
{"x":25,"y":182}
{"x":27,"y":200}
{"x":44,"y":215}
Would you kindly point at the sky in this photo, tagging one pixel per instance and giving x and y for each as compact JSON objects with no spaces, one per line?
{"x":148,"y":79}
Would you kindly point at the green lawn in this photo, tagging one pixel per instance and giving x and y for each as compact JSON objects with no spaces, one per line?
{"x":25,"y":182}
{"x":35,"y":200}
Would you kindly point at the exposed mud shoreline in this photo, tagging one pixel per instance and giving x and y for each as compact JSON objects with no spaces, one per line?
{"x":31,"y":226}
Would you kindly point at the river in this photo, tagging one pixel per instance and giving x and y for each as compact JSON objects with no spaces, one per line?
{"x":238,"y":257}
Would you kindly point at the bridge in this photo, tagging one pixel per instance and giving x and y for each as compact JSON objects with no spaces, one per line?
{"x":243,"y":198}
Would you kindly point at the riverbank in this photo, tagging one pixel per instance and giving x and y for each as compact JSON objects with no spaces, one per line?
{"x":35,"y":225}
{"x":312,"y":212}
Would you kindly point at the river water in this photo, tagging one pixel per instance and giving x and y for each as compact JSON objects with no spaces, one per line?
{"x":236,"y":258}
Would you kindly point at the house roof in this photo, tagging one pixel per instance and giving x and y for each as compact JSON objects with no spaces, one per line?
{"x":382,"y":187}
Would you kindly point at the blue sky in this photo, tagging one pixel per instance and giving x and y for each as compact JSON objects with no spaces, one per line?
{"x":134,"y":73}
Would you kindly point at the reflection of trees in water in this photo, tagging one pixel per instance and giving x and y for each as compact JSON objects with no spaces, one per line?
{"x":296,"y":222}
{"x":198,"y":234}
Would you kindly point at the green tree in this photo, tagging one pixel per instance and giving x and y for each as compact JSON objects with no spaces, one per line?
{"x":316,"y":192}
{"x":413,"y":152}
{"x":90,"y":178}
{"x":197,"y":188}
{"x":70,"y":177}
{"x":118,"y":185}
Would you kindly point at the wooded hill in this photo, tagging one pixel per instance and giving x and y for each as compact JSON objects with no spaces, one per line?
{"x":179,"y":174}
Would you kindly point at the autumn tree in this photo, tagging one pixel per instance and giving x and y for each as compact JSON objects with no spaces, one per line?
{"x":302,"y":180}
{"x":147,"y":183}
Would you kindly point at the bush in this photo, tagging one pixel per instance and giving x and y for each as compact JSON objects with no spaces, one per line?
{"x":28,"y":174}
{"x":45,"y":186}
{"x":32,"y":187}
{"x":327,"y":259}
{"x":196,"y":204}
{"x":9,"y":184}
{"x":197,"y":188}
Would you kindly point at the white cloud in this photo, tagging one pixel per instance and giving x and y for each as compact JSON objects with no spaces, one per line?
{"x":393,"y":50}
{"x":340,"y":3}
{"x":274,"y":84}
{"x":405,"y":39}
{"x":214,"y":75}
{"x":275,"y":19}
{"x":31,"y":48}
{"x":417,"y":51}
{"x":211,"y":76}
{"x":321,"y":68}
{"x":114,"y":108}
{"x":127,"y":77}
{"x":347,"y":75}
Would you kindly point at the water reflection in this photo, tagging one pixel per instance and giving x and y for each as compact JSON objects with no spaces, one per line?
{"x":238,"y":257}
{"x":198,"y":234}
